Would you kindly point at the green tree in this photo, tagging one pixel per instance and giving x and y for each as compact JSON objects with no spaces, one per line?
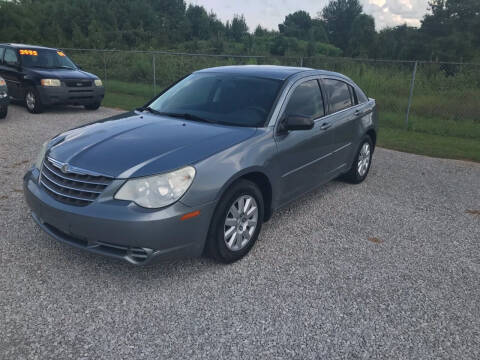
{"x":238,"y":28}
{"x":297,"y":25}
{"x":339,"y":16}
{"x":199,"y":22}
{"x":362,"y":36}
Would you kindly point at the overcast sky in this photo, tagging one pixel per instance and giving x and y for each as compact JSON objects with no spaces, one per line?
{"x":270,"y":13}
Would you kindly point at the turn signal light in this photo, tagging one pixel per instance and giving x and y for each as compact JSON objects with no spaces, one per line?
{"x":190,"y":215}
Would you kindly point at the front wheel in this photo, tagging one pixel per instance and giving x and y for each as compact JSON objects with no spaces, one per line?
{"x":3,"y":111}
{"x":363,"y":160}
{"x":32,"y":101}
{"x":236,"y":223}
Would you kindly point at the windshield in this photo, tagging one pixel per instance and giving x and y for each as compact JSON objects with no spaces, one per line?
{"x":48,"y":59}
{"x":222,"y":98}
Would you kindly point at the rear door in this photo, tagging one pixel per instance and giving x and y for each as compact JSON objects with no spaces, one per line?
{"x":11,"y":72}
{"x":344,"y":119}
{"x":303,"y":156}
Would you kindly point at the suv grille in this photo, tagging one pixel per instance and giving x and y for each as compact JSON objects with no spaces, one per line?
{"x":78,"y":83}
{"x":72,"y":187}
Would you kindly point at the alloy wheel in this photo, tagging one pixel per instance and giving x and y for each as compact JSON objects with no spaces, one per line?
{"x":364,"y":159}
{"x":30,"y":100}
{"x":240,"y":223}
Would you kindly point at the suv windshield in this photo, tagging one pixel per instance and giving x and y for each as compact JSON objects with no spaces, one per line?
{"x":48,"y":59}
{"x":222,"y":98}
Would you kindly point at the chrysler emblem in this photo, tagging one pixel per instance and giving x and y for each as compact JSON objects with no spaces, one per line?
{"x":79,"y":84}
{"x":64,"y":168}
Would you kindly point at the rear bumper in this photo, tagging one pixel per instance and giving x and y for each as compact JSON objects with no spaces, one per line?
{"x":120,"y":229}
{"x":71,"y":96}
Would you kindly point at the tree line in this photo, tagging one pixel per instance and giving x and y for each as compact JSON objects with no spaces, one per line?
{"x":450,"y":30}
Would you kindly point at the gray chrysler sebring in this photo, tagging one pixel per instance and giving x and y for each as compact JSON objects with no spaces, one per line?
{"x":199,"y":168}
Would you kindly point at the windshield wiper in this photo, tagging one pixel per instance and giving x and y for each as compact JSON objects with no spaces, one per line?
{"x":149,"y":109}
{"x":186,"y":116}
{"x":65,"y":67}
{"x":41,"y":67}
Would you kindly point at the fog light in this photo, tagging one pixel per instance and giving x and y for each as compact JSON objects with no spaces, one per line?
{"x":3,"y":95}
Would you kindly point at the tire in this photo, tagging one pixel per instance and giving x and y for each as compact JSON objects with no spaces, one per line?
{"x":32,"y":101}
{"x":3,"y":111}
{"x":93,"y":106}
{"x":358,"y":172}
{"x":229,"y":238}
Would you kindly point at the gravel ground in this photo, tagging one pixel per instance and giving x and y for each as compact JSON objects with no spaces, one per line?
{"x":386,"y":269}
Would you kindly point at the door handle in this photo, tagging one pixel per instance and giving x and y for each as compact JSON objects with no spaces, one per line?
{"x":325,"y":126}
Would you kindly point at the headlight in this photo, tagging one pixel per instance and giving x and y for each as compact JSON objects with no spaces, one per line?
{"x":50,"y":82}
{"x":98,"y":82}
{"x":159,"y":190}
{"x":2,"y":82}
{"x":41,"y":155}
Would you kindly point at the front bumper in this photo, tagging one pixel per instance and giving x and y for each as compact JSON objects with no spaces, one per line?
{"x":71,"y":96}
{"x":120,"y":229}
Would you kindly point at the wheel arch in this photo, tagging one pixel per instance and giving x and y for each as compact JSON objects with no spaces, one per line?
{"x":373,"y":135}
{"x":259,"y":178}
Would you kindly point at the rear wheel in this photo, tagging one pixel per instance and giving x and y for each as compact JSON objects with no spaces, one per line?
{"x":93,"y":106}
{"x":32,"y":101}
{"x":363,"y":160}
{"x":236,"y":223}
{"x":3,"y":111}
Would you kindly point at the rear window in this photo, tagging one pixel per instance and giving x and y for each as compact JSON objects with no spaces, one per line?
{"x":362,"y":98}
{"x":338,"y":93}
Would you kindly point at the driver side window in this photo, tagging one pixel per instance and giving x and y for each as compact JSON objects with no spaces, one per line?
{"x":10,"y":57}
{"x":306,"y":100}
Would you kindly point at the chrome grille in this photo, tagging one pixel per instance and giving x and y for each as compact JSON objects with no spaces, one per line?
{"x":73,"y":186}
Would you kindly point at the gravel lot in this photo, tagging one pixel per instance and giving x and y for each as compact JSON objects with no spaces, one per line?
{"x":386,"y":269}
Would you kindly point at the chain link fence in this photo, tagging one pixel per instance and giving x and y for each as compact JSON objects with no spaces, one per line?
{"x":431,"y":98}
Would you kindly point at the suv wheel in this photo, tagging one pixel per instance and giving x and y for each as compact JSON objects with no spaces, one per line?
{"x":93,"y":106}
{"x":236,"y":223}
{"x":32,"y":101}
{"x":3,"y":111}
{"x":363,"y":160}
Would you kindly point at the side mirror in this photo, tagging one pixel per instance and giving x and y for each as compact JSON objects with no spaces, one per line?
{"x":14,"y":64}
{"x":297,"y":122}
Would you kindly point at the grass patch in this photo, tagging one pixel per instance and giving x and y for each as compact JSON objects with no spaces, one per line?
{"x":448,"y":147}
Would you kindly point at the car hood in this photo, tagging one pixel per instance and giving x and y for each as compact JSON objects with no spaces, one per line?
{"x":63,"y":74}
{"x":135,"y":144}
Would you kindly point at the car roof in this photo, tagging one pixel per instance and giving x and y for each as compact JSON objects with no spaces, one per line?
{"x":268,"y":71}
{"x":26,"y":46}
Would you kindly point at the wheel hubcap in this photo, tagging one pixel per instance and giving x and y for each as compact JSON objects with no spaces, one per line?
{"x":30,"y":100}
{"x":240,"y":223}
{"x":363,"y":159}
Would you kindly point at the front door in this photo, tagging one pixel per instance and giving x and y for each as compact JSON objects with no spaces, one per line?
{"x":303,"y":156}
{"x":11,"y":73}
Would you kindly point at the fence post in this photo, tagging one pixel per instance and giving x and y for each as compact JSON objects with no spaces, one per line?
{"x":412,"y":86}
{"x":104,"y":68}
{"x":154,"y":78}
{"x":301,"y":61}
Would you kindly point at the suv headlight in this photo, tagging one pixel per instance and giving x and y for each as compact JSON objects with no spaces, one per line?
{"x":41,"y":155}
{"x":50,"y":82}
{"x":98,"y":82}
{"x":159,"y":190}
